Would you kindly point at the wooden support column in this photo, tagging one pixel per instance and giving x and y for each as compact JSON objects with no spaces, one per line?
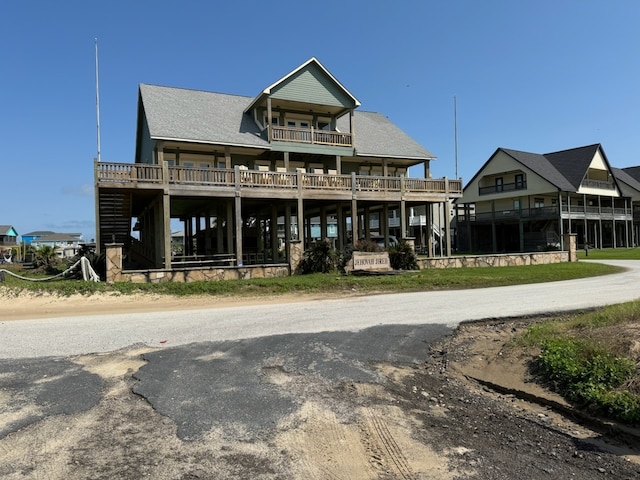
{"x":300,"y":211}
{"x":166,"y":230}
{"x":354,"y":210}
{"x":403,"y":212}
{"x":494,"y":240}
{"x":560,"y":222}
{"x":447,"y":225}
{"x":287,"y":231}
{"x":323,"y":223}
{"x":354,"y":221}
{"x":238,"y":224}
{"x":341,"y":227}
{"x":286,"y":161}
{"x":229,"y":226}
{"x":338,"y":164}
{"x":227,"y":156}
{"x":274,"y":233}
{"x":367,"y":225}
{"x":384,"y":221}
{"x":219,"y":232}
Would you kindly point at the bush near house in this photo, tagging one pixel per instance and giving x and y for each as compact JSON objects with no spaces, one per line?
{"x":402,"y":257}
{"x":320,"y":258}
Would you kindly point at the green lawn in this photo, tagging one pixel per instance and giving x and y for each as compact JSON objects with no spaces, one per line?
{"x":610,"y":254}
{"x":335,"y":283}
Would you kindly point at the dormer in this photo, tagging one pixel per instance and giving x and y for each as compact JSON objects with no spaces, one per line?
{"x":300,"y":112}
{"x":598,"y":179}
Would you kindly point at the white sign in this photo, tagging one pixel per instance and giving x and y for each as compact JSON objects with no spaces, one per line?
{"x":371,"y":261}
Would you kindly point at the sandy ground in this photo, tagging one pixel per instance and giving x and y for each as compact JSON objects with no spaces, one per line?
{"x":437,"y":420}
{"x":28,"y":305}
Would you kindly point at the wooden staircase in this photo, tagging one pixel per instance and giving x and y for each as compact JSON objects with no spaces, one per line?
{"x":114,"y":210}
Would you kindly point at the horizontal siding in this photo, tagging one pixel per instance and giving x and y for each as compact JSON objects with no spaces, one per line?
{"x":312,"y":85}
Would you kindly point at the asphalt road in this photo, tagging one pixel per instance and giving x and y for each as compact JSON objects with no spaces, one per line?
{"x":103,"y":333}
{"x":246,"y":374}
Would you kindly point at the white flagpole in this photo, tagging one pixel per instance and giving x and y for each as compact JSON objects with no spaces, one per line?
{"x":455,"y":130}
{"x":97,"y":101}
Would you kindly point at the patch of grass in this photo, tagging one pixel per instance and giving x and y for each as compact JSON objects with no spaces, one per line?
{"x":610,"y":254}
{"x":587,"y":359}
{"x":588,"y":375}
{"x":327,"y":283}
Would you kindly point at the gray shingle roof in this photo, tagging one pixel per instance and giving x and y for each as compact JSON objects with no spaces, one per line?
{"x":574,"y":163}
{"x":198,"y":116}
{"x":622,"y":175}
{"x":218,"y":118}
{"x":376,"y":135}
{"x":633,"y":171}
{"x":543,"y":167}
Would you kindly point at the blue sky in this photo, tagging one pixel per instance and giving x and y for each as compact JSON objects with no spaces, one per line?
{"x":538,"y":76}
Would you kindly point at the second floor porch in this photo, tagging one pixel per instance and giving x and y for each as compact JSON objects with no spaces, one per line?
{"x":574,"y":212}
{"x":276,"y":184}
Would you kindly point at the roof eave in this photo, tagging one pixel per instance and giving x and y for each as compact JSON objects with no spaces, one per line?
{"x":266,"y":146}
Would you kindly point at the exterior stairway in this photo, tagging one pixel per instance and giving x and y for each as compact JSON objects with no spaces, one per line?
{"x":114,"y":209}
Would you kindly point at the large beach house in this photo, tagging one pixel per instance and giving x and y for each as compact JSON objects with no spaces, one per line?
{"x":246,"y":176}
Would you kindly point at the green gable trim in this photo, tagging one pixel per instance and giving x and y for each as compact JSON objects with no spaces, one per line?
{"x":312,"y":85}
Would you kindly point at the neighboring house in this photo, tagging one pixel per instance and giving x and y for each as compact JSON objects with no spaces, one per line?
{"x":634,"y":174}
{"x":66,"y":245}
{"x":31,"y":236}
{"x":521,"y":201}
{"x":249,"y":175}
{"x":8,"y":236}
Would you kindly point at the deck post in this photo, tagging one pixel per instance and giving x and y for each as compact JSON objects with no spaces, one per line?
{"x":447,"y":217}
{"x":300,"y":215}
{"x":238,"y":218}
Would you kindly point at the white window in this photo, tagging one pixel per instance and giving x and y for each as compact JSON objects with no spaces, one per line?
{"x":299,"y":122}
{"x":274,"y":120}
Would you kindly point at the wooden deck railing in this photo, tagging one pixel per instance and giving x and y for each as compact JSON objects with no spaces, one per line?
{"x":311,"y":135}
{"x":128,"y":174}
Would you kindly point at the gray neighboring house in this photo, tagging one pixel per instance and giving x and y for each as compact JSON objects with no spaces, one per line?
{"x":522,"y":201}
{"x":299,"y":157}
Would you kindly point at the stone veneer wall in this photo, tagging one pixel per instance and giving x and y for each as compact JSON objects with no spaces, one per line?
{"x":501,"y":260}
{"x":204,"y":274}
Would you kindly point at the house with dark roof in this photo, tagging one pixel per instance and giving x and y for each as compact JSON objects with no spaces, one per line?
{"x":521,"y":201}
{"x":247,"y":176}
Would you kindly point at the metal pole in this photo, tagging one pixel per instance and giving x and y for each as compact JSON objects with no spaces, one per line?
{"x":97,"y":101}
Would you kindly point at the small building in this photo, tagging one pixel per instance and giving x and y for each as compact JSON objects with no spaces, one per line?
{"x":8,"y":236}
{"x":521,"y":201}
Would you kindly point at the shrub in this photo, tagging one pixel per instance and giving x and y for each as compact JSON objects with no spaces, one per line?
{"x":320,"y":258}
{"x":402,"y":257}
{"x":366,"y":245}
